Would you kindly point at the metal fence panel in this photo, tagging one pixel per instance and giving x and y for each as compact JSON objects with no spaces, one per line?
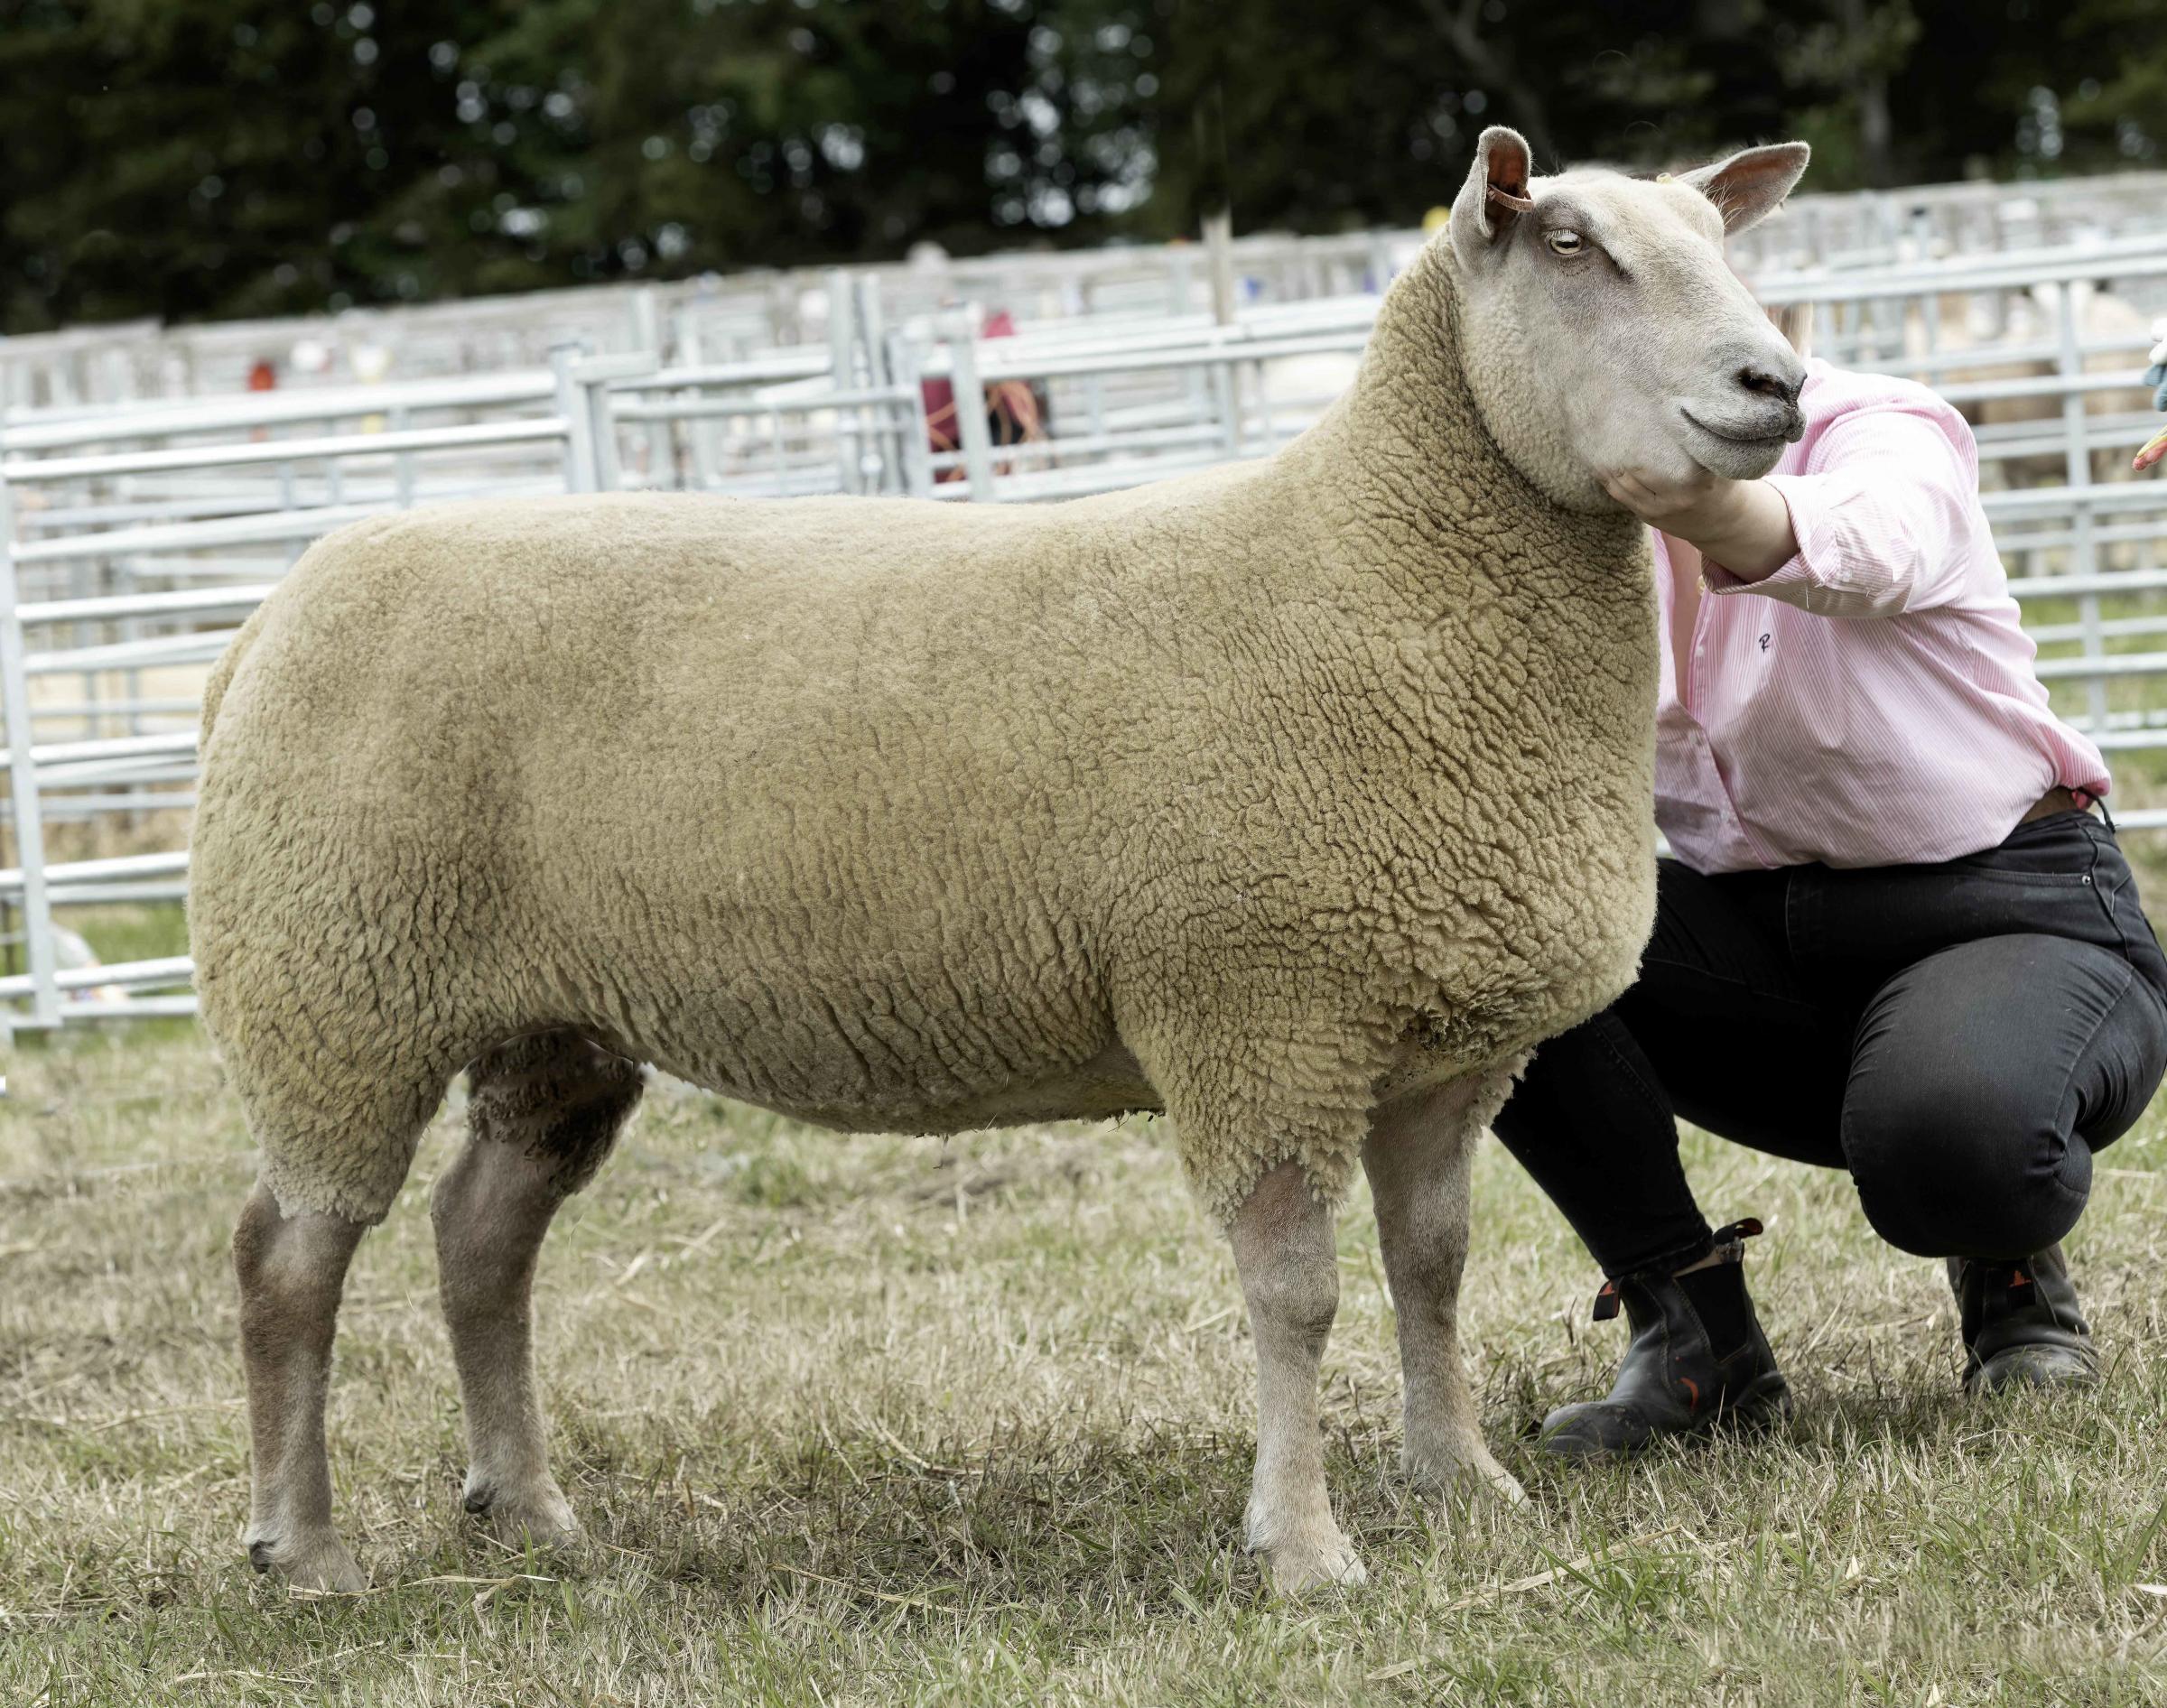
{"x":132,"y":537}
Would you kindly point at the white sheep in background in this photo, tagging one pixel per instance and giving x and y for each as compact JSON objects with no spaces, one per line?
{"x":1299,"y":798}
{"x":2030,"y":318}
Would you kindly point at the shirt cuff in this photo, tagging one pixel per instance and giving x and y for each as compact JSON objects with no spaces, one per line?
{"x":1794,"y":577}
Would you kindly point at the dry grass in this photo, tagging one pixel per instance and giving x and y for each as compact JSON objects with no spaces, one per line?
{"x":885,"y":1421}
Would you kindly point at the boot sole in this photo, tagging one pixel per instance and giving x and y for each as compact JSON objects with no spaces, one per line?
{"x":2031,"y":1372}
{"x":1764,"y":1405}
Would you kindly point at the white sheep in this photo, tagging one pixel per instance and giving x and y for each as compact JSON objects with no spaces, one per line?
{"x":2033,"y":317}
{"x":1300,"y":799}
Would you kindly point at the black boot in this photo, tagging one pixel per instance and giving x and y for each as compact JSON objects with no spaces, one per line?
{"x":1697,"y":1361}
{"x":2022,"y":1326}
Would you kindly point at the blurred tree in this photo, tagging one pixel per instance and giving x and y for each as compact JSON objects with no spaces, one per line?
{"x":2118,"y":114}
{"x":187,"y":158}
{"x":647,"y":133}
{"x":1322,"y":132}
{"x":192,"y":157}
{"x":1848,"y":55}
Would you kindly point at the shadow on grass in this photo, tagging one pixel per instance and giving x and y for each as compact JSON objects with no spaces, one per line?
{"x":1036,"y":1519}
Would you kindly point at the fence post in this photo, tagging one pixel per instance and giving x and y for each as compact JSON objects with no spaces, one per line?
{"x":1380,"y":279}
{"x":579,"y":418}
{"x":2076,"y":468}
{"x":402,"y":464}
{"x":880,"y":459}
{"x":601,"y":434}
{"x":842,"y":361}
{"x":1177,"y":282}
{"x":700,"y":435}
{"x":1226,"y":397}
{"x":646,"y":335}
{"x":907,"y":373}
{"x":23,"y":781}
{"x":1219,"y":252}
{"x":970,"y":406}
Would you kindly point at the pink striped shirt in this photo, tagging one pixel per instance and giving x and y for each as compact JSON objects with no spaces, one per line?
{"x":1872,"y":702}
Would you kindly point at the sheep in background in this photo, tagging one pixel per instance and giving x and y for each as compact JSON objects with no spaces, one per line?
{"x":1299,"y":798}
{"x":1962,"y":324}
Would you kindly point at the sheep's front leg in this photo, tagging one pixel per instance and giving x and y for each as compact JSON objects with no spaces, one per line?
{"x":1282,"y":1241}
{"x":1418,"y":1157}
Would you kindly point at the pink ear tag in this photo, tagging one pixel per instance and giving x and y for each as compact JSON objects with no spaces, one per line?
{"x":1504,"y":198}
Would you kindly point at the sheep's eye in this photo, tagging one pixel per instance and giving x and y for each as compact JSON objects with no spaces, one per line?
{"x":1565,"y":242}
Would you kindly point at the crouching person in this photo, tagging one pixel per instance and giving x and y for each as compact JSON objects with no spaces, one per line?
{"x":1896,"y":937}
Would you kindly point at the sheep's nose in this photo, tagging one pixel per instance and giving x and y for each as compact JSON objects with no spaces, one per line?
{"x":1765,"y":382}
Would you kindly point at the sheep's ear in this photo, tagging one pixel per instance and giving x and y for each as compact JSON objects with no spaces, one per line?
{"x":1750,"y":185}
{"x":1496,"y":191}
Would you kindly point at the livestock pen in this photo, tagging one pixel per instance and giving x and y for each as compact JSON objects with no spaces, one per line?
{"x":890,"y":1420}
{"x":142,"y":533}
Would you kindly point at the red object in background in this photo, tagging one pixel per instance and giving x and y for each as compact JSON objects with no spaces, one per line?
{"x":262,"y":377}
{"x":1014,"y":411}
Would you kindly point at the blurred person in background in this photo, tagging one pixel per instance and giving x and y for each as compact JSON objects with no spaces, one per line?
{"x":2156,"y":376}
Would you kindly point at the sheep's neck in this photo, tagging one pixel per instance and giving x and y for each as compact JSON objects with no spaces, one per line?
{"x":1408,"y":447}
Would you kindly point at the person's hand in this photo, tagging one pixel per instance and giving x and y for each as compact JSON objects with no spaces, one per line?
{"x":1689,"y":506}
{"x":1740,"y":526}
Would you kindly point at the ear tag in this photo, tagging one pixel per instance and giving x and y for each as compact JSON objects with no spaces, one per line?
{"x":1662,"y":178}
{"x":1504,"y":198}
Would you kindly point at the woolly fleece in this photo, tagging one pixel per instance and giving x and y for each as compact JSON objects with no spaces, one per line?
{"x":1258,"y":794}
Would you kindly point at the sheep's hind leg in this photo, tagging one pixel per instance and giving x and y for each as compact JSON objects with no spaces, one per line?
{"x":1283,"y":1250}
{"x":543,"y":1114}
{"x":292,"y":1270}
{"x":1418,"y":1156}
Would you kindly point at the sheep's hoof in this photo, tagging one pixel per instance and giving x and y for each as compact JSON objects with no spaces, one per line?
{"x":317,"y":1562}
{"x":537,"y":1516}
{"x":1302,"y":1556}
{"x":1300,"y":1569}
{"x":1461,"y":1470}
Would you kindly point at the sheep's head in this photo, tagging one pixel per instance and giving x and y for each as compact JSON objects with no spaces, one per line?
{"x":1601,"y":328}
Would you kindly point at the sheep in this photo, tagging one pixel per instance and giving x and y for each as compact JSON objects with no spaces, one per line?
{"x":1299,"y":798}
{"x":2101,"y":317}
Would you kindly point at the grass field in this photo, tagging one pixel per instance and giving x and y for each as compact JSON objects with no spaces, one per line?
{"x":889,"y":1421}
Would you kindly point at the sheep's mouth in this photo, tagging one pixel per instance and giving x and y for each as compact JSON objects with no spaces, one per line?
{"x":1746,"y":441}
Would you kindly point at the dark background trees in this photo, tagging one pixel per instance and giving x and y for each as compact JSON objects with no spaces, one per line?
{"x":192,"y":158}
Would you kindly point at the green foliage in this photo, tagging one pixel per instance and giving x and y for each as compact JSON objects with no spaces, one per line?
{"x":194,"y":158}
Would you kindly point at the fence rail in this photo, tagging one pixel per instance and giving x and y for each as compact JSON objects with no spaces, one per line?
{"x":713,"y":317}
{"x":134,"y":537}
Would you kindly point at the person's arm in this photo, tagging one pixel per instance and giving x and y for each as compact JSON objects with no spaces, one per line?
{"x":2156,"y":447}
{"x":1882,"y":521}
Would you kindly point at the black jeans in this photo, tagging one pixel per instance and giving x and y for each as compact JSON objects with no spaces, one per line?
{"x":1961,"y":1037}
